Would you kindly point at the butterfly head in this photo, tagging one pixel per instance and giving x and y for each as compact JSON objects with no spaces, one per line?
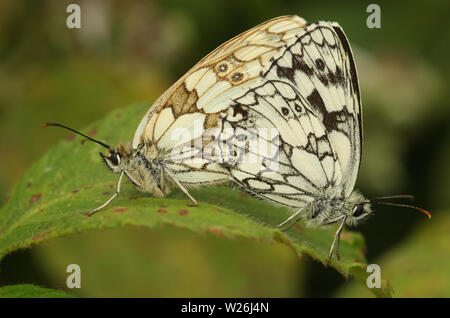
{"x":118,"y":158}
{"x":125,"y":159}
{"x":138,"y":166}
{"x":113,"y":160}
{"x":122,"y":158}
{"x":330,"y":209}
{"x":358,"y":209}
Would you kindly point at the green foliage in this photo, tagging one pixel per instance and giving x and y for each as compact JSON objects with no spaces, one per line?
{"x":53,"y":197}
{"x":171,"y":262}
{"x":411,"y":265}
{"x":31,"y":291}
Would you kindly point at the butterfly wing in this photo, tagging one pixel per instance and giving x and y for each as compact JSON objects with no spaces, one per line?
{"x":200,"y":90}
{"x":321,"y":68}
{"x":299,"y":79}
{"x":199,"y":100}
{"x":310,"y":95}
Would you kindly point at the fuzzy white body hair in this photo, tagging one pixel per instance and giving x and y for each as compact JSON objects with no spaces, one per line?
{"x":327,"y":208}
{"x":142,"y":167}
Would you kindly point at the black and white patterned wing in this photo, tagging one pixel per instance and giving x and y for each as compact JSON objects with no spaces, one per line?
{"x":196,"y":104}
{"x":310,"y":95}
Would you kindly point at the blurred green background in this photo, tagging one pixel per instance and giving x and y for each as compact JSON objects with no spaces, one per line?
{"x":131,"y":51}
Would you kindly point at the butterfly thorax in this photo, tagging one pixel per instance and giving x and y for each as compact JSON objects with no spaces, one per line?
{"x":329,"y":208}
{"x":142,"y":166}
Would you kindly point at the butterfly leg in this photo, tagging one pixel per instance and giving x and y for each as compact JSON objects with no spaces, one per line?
{"x":110,"y":199}
{"x":337,"y":239}
{"x":194,"y":202}
{"x":282,"y":226}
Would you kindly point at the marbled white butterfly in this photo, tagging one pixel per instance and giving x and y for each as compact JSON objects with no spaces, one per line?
{"x":296,"y":78}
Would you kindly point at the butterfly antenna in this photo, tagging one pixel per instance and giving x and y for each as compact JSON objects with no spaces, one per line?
{"x":400,"y":196}
{"x":407,"y":206}
{"x":77,"y":132}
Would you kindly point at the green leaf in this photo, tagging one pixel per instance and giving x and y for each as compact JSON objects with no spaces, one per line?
{"x":32,"y":291}
{"x":418,"y":267}
{"x":170,"y":262}
{"x":52,"y":198}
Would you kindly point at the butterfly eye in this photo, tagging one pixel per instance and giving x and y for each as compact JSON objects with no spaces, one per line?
{"x":114,"y":158}
{"x":358,"y":210}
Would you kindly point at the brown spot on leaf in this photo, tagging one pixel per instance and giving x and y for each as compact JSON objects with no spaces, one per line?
{"x":29,"y":184}
{"x":120,"y":210}
{"x":215,"y":230}
{"x":75,"y":191}
{"x":37,"y":237}
{"x":35,"y":197}
{"x":183,"y":212}
{"x":111,"y":186}
{"x":92,"y":132}
{"x":339,"y":268}
{"x":163,"y":206}
{"x":70,"y":137}
{"x":162,"y":211}
{"x":88,"y":187}
{"x":106,"y":193}
{"x":298,"y":227}
{"x":133,"y":198}
{"x":46,"y":226}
